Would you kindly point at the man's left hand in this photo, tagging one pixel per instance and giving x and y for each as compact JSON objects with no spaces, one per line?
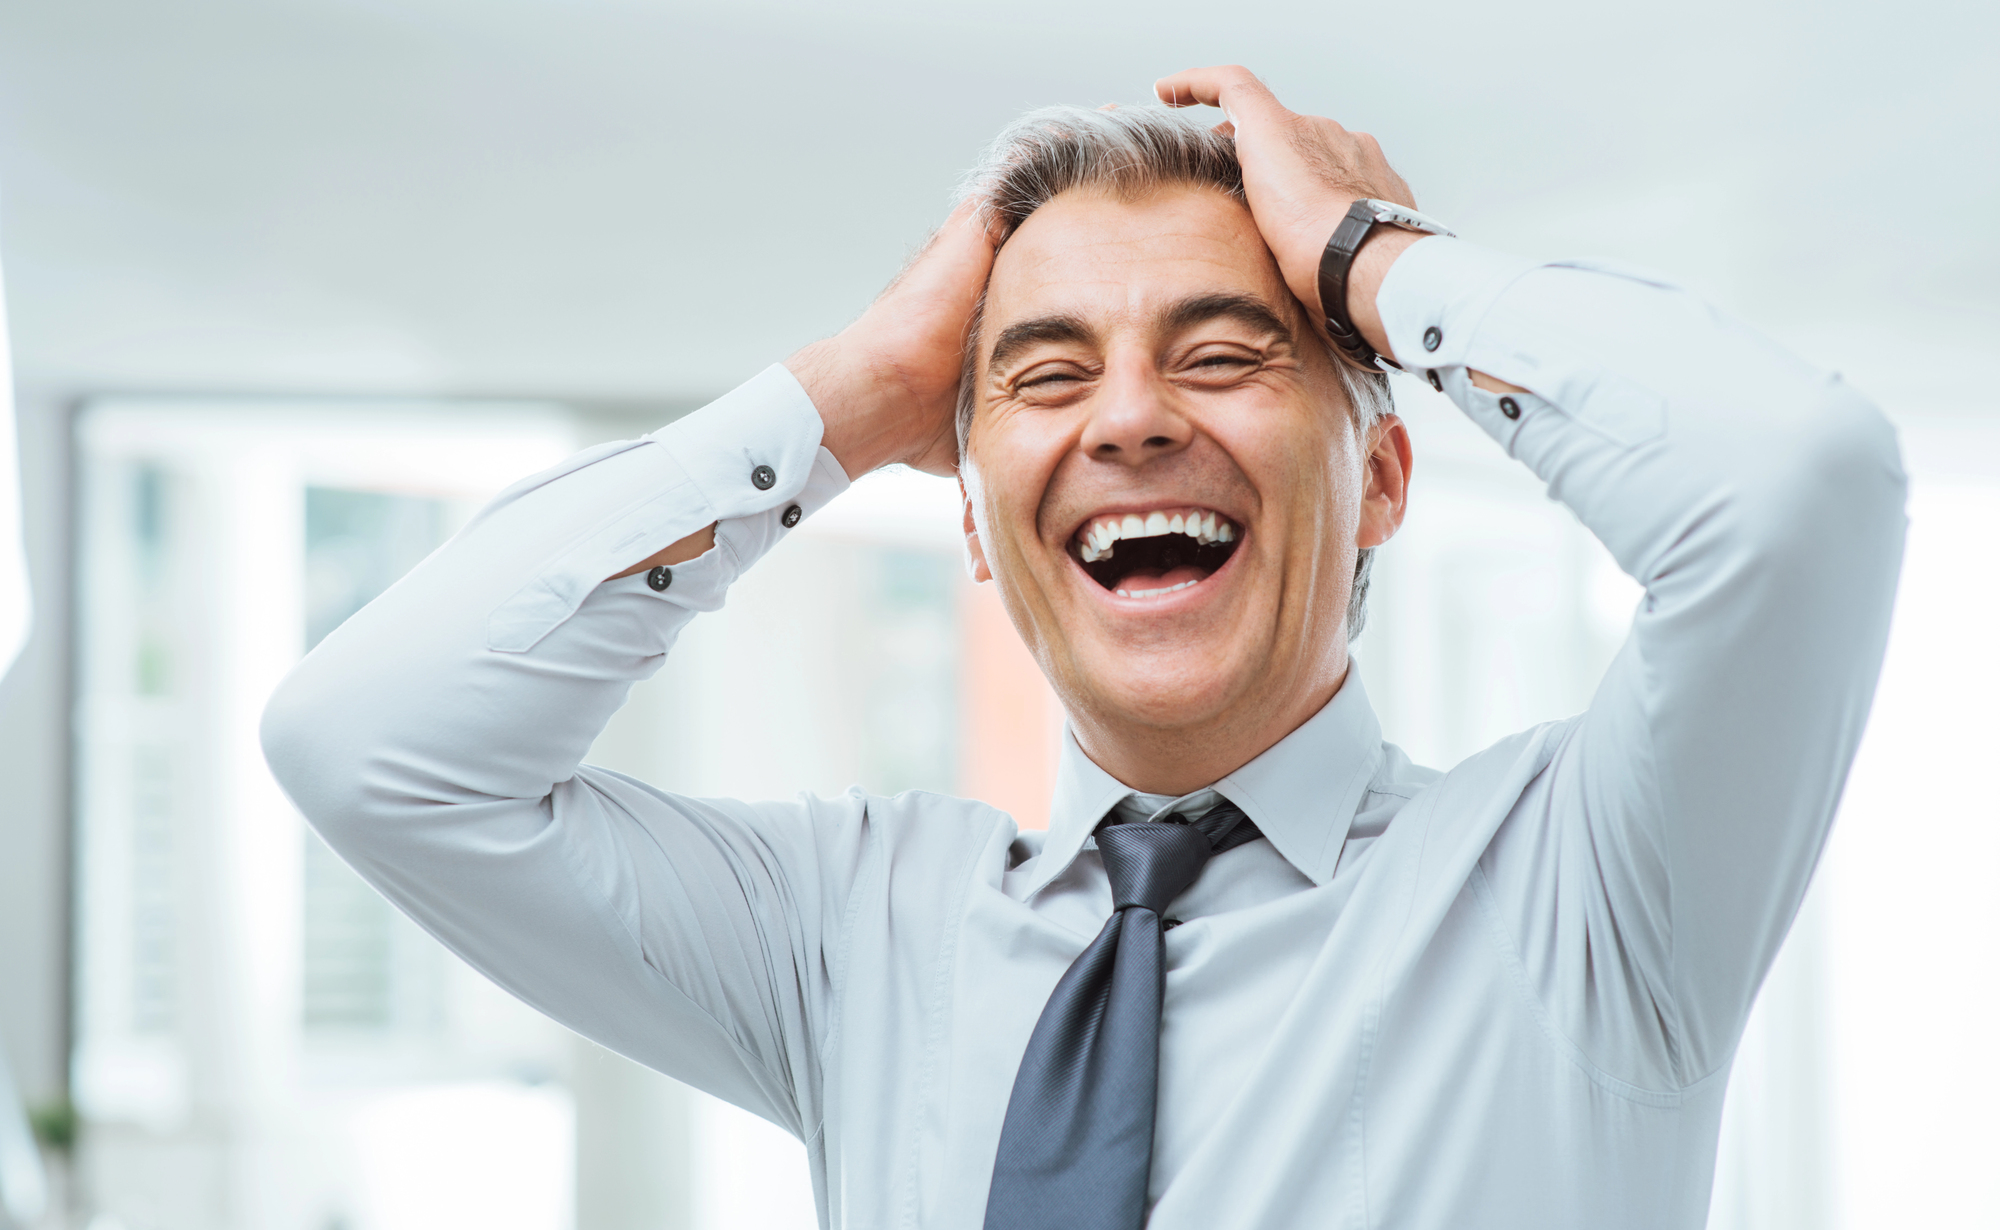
{"x":1300,"y":174}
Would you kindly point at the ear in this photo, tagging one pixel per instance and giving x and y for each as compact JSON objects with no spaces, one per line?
{"x":975,"y":554}
{"x":1386,"y":493}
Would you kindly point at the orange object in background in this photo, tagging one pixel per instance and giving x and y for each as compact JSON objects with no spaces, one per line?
{"x":1010,"y":724}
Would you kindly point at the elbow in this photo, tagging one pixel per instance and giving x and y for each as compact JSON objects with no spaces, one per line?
{"x":370,"y":750}
{"x":1836,"y":480}
{"x":305,"y":749}
{"x":1855,"y":443}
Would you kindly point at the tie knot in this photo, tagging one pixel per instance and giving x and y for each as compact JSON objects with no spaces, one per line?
{"x":1152,"y":863}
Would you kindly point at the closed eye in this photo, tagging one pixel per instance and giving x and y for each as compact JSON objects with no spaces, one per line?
{"x":1045,"y":378}
{"x":1051,"y":382}
{"x":1221,"y":366}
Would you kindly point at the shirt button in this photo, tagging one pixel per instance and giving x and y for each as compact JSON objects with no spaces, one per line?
{"x":660,"y":578}
{"x":1437,"y":381}
{"x":762,"y":477}
{"x":1510,"y":407}
{"x":1432,"y":338}
{"x":792,"y":515}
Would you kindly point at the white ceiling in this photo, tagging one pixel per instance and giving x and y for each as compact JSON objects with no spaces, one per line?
{"x":651,"y":200}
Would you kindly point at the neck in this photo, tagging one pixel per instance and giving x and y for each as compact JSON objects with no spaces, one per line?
{"x":1180,"y":759}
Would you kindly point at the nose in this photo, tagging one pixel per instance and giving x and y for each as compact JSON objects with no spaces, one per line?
{"x":1132,"y":417}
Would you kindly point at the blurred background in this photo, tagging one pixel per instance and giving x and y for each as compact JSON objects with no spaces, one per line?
{"x":296,"y":284}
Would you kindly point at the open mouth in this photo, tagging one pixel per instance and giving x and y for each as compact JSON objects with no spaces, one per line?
{"x":1153,"y":554}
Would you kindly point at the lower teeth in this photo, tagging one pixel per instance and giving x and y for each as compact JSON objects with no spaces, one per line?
{"x":1153,"y":593}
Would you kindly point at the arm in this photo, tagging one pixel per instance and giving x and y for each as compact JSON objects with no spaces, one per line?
{"x":1653,"y":870}
{"x":435,"y":739}
{"x":1650,"y":874}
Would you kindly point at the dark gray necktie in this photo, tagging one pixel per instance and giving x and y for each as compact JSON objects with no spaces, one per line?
{"x":1076,"y":1147}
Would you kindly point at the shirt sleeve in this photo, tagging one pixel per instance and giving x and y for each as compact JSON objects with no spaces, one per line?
{"x":435,"y":741}
{"x":1651,"y":872}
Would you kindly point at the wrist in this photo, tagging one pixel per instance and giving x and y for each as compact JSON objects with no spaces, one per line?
{"x":854,"y":401}
{"x":1364,"y":281}
{"x":1369,"y":237}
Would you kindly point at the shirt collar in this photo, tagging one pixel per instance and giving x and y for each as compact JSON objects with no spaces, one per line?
{"x":1302,"y":791}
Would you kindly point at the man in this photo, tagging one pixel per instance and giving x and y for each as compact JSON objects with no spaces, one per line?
{"x":1503,"y":996}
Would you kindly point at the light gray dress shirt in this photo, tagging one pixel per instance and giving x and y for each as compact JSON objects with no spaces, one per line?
{"x":1504,"y":995}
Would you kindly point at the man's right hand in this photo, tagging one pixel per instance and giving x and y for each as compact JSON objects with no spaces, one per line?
{"x":887,"y":385}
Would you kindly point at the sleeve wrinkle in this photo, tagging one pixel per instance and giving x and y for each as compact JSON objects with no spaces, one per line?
{"x":626,"y":935}
{"x":755,"y":872}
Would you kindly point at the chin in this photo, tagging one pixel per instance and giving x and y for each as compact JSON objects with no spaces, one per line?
{"x":1165,"y":687}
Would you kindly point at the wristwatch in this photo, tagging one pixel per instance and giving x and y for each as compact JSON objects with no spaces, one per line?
{"x":1334,"y":264}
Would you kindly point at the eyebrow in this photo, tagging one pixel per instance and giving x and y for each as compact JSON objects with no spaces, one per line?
{"x":1018,"y":337}
{"x":1246,"y":310}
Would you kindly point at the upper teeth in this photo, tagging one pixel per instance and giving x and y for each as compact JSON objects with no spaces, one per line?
{"x":1101,"y":536}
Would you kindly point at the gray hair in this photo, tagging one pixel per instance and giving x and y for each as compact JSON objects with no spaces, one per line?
{"x":1129,"y":152}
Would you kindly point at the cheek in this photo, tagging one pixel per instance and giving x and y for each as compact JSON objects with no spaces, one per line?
{"x":1310,"y":492}
{"x":1337,"y":486}
{"x":1016,"y":459}
{"x":1303,"y":477}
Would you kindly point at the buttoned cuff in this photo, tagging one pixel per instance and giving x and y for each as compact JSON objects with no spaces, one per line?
{"x":750,"y":463}
{"x":1451,"y":308}
{"x":1436,"y":295}
{"x":703,"y":582}
{"x":752,"y":449}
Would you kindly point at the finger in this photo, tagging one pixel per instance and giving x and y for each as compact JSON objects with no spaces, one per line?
{"x":966,"y":240}
{"x":963,"y":216}
{"x":954,"y":261}
{"x":1231,"y":87}
{"x":966,"y":232}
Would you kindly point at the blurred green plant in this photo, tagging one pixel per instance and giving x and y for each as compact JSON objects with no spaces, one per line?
{"x":55,"y":1124}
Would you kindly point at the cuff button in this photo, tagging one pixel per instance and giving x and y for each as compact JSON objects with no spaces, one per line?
{"x":660,"y":578}
{"x":1510,"y":407}
{"x":1433,"y":338}
{"x":763,"y":477}
{"x":792,"y":515}
{"x":1437,"y":381}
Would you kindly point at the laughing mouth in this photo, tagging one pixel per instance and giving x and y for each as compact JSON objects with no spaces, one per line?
{"x":1151,"y":555}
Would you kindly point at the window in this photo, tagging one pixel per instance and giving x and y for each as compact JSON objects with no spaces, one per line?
{"x":363,"y":966}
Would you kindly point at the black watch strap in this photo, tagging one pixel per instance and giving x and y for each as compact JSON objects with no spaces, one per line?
{"x":1334,"y":265}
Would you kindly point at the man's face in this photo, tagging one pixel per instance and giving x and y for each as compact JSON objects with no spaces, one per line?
{"x":1162,"y":471}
